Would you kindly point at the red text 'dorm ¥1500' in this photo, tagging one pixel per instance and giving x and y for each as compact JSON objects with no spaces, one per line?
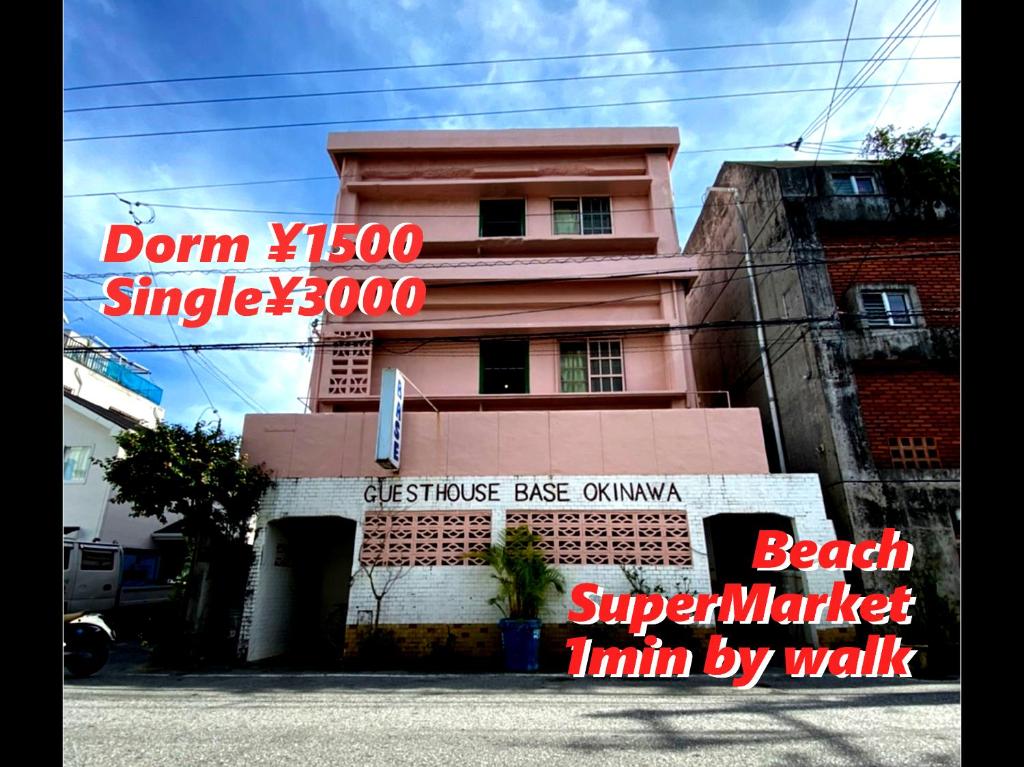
{"x":308,"y":296}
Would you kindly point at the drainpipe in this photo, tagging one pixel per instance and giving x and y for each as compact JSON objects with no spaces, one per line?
{"x":765,"y":367}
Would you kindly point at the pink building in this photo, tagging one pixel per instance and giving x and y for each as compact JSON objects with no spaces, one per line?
{"x":553,"y":387}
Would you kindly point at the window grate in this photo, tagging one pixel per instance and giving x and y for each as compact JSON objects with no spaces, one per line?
{"x":887,"y":308}
{"x":606,"y":366}
{"x":914,"y":453}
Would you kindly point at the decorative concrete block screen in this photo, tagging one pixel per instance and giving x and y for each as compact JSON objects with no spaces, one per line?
{"x":424,"y":537}
{"x":610,"y":537}
{"x":349,"y":371}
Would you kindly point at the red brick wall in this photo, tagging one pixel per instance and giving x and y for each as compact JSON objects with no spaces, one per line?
{"x":937,"y":277}
{"x":911,"y":403}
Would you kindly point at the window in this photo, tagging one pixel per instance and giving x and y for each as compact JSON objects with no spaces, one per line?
{"x":502,"y":218}
{"x":582,"y":215}
{"x":97,"y":559}
{"x":67,"y":557}
{"x":592,"y":366}
{"x":76,"y":463}
{"x":852,"y":184}
{"x":886,"y":308}
{"x":574,"y":367}
{"x":140,"y":567}
{"x":504,"y":367}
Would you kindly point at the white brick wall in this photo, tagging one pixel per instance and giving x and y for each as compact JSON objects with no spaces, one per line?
{"x":459,"y":594}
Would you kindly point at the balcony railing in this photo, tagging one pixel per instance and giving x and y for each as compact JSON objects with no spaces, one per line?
{"x":93,"y":358}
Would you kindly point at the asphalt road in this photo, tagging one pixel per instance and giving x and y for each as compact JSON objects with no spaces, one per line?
{"x":254,"y":719}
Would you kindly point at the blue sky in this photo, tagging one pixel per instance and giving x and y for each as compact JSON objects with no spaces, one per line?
{"x":108,"y":41}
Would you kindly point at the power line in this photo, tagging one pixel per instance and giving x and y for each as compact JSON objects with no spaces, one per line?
{"x":328,"y":343}
{"x":866,"y":71}
{"x":517,"y":60}
{"x":406,"y":214}
{"x":325,"y":343}
{"x":835,"y":87}
{"x":903,"y":71}
{"x":226,"y":381}
{"x":880,"y":56}
{"x":184,"y":354}
{"x":241,"y":396}
{"x":951,"y":95}
{"x":484,"y":84}
{"x":523,"y":262}
{"x":202,"y":186}
{"x":334,"y":177}
{"x":484,"y":113}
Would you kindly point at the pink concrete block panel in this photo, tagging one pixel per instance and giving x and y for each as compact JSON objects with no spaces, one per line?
{"x":472,"y":443}
{"x":576,"y":442}
{"x":737,"y":441}
{"x":424,"y":444}
{"x":628,"y":440}
{"x":317,"y":450}
{"x":645,"y":362}
{"x":353,"y":458}
{"x":665,"y":441}
{"x":681,"y":442}
{"x":269,"y":439}
{"x":524,"y":443}
{"x":451,"y":369}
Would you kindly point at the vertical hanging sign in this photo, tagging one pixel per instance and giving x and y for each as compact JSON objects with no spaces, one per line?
{"x":389,"y":419}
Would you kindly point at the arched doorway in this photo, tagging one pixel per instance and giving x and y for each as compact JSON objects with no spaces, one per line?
{"x":731,"y":539}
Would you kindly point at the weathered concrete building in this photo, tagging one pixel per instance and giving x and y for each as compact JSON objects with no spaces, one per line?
{"x":859,"y":295}
{"x":561,"y":396}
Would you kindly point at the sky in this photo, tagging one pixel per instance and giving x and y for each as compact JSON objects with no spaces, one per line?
{"x":106,"y":41}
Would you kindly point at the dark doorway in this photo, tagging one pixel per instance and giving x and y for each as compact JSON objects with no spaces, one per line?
{"x":731,"y":539}
{"x":316,"y":553}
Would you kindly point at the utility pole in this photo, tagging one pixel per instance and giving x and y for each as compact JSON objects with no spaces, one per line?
{"x":765,"y":366}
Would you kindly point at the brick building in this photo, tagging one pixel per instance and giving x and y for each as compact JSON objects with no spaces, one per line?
{"x":859,"y":294}
{"x":555,"y":389}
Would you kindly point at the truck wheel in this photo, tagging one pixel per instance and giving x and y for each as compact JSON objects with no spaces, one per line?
{"x":87,"y":659}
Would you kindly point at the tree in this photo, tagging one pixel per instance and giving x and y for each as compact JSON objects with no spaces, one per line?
{"x":523,"y":574}
{"x":200,"y":474}
{"x":922,"y":170}
{"x":380,"y":582}
{"x":197,"y":473}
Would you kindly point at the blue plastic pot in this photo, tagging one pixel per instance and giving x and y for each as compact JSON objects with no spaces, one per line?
{"x":520,"y":639}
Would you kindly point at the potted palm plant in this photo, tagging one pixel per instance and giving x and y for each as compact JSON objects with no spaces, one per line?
{"x":524,"y":578}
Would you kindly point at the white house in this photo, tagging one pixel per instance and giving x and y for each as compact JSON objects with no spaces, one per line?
{"x":105,"y":394}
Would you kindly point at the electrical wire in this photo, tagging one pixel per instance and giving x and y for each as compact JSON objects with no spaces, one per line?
{"x":483,"y":113}
{"x":484,"y":84}
{"x":951,"y":95}
{"x":892,"y":41}
{"x":334,"y":177}
{"x":517,"y":60}
{"x":828,"y":113}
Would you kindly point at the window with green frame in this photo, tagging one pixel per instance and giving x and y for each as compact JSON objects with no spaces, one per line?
{"x":574,"y":367}
{"x":581,"y":215}
{"x":589,"y":366}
